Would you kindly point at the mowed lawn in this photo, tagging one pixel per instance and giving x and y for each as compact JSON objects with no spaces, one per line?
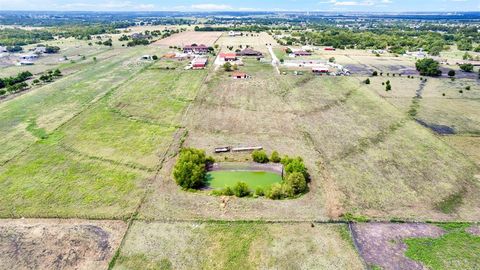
{"x":98,"y":164}
{"x":248,"y":245}
{"x":222,"y":179}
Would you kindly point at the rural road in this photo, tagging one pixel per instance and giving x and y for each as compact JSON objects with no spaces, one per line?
{"x":275,"y":60}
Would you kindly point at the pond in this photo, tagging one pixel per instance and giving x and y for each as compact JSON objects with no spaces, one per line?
{"x":254,"y":179}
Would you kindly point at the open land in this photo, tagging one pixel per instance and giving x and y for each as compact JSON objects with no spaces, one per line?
{"x":100,"y":144}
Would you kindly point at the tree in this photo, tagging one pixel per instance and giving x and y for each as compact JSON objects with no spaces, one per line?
{"x":375,"y":73}
{"x":241,"y":189}
{"x":388,"y":87}
{"x":275,"y":157}
{"x":275,"y":192}
{"x":227,"y":66}
{"x":428,"y":67}
{"x":367,"y":81}
{"x":190,"y":169}
{"x":295,"y":165}
{"x":297,"y":182}
{"x":260,"y":156}
{"x":331,"y":59}
{"x":451,"y":73}
{"x":466,"y":67}
{"x":52,"y":49}
{"x":155,"y":57}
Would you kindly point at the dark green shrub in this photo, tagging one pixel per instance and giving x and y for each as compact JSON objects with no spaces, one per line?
{"x":190,"y":169}
{"x":260,"y":156}
{"x":297,"y":182}
{"x":241,"y":190}
{"x":275,"y":157}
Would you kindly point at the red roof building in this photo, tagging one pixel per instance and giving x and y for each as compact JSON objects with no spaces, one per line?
{"x":302,"y":53}
{"x":228,"y":56}
{"x":199,"y":63}
{"x":239,"y":75}
{"x":329,"y":49}
{"x":196,"y":49}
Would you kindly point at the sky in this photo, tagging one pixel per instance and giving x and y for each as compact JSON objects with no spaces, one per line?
{"x":243,"y":5}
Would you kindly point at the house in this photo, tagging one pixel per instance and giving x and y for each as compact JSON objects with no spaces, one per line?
{"x":233,"y":34}
{"x":301,"y":53}
{"x":250,"y":52}
{"x":228,"y":57}
{"x":330,"y":49}
{"x":196,"y":49}
{"x":147,"y":57}
{"x":199,"y":63}
{"x":320,"y":69}
{"x":239,"y":75}
{"x":25,"y":63}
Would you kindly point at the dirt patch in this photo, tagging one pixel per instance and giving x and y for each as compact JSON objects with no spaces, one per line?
{"x":58,"y":244}
{"x":439,"y":129}
{"x":247,"y":166}
{"x":475,"y":230}
{"x":190,"y":37}
{"x":381,"y":244}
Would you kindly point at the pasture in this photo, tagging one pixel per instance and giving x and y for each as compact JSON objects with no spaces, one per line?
{"x":237,"y":245}
{"x":189,"y":37}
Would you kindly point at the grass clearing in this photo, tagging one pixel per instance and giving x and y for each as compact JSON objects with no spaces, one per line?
{"x":456,"y":249}
{"x":236,"y":245}
{"x":222,"y":179}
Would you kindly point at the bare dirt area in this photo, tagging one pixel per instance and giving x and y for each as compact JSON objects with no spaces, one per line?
{"x":190,"y":37}
{"x":381,"y":244}
{"x":58,"y":244}
{"x":475,"y":230}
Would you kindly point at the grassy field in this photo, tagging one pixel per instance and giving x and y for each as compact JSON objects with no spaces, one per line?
{"x":237,"y":245}
{"x":456,"y":249}
{"x":222,"y":179}
{"x":96,"y":162}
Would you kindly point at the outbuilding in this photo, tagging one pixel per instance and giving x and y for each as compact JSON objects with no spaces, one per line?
{"x":196,"y":49}
{"x":239,"y":75}
{"x":199,"y":63}
{"x":228,"y":57}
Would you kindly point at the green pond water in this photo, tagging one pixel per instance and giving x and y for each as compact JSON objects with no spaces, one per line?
{"x":222,"y":179}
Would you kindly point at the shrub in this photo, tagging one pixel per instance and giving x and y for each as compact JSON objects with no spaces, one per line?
{"x":260,"y":156}
{"x":259,"y":191}
{"x":154,"y":57}
{"x":190,"y":169}
{"x":428,"y":67}
{"x":468,"y":88}
{"x":275,"y":192}
{"x":451,"y":73}
{"x":466,"y":67}
{"x":295,"y":165}
{"x":296,"y":181}
{"x":241,"y":190}
{"x":388,"y":87}
{"x":375,"y":73}
{"x":227,"y":66}
{"x":275,"y":157}
{"x":367,"y":81}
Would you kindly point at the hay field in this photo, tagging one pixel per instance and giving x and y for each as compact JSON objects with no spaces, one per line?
{"x":237,"y":246}
{"x":189,"y":37}
{"x":257,"y":41}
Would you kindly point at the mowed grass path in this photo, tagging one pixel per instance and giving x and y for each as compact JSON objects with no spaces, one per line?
{"x":97,"y":164}
{"x":222,"y":179}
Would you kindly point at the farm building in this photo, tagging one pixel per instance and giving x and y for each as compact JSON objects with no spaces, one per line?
{"x":25,"y":63}
{"x":249,"y":52}
{"x":233,"y":34}
{"x":40,"y":49}
{"x":140,"y":36}
{"x":169,"y":55}
{"x":239,"y":75}
{"x":199,"y":63}
{"x":3,"y":49}
{"x":330,"y":49}
{"x":196,"y":49}
{"x":147,"y":57}
{"x":228,"y":57}
{"x":320,"y":69}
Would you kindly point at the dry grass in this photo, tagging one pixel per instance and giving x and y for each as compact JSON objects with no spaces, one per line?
{"x":236,"y":245}
{"x":189,"y":37}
